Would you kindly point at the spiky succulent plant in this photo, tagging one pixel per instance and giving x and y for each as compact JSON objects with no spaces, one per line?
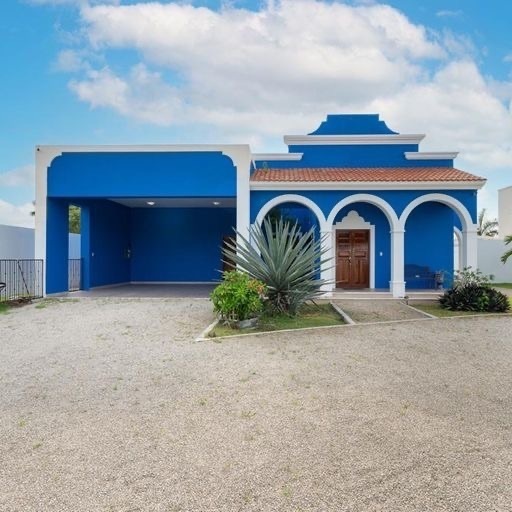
{"x":286,"y":260}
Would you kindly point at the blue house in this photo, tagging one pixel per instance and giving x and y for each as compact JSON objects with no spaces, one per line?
{"x":159,"y":214}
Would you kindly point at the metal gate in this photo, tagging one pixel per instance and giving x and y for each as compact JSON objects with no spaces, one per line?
{"x":74,"y":275}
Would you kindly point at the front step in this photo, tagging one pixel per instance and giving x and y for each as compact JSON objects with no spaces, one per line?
{"x":384,"y":294}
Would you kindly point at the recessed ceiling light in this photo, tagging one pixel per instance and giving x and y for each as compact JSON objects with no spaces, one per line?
{"x":151,"y":203}
{"x":216,"y":203}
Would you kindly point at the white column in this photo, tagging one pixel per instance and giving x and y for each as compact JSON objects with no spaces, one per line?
{"x":469,"y":248}
{"x":327,"y":272}
{"x":397,"y":283}
{"x":241,"y":157}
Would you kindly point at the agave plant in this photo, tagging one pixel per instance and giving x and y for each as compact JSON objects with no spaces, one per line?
{"x":286,"y":260}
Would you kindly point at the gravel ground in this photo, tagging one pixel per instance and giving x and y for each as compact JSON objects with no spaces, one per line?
{"x":108,"y":405}
{"x":378,"y":310}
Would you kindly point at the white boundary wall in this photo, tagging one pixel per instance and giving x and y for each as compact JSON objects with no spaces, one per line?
{"x":490,"y":251}
{"x":18,"y":243}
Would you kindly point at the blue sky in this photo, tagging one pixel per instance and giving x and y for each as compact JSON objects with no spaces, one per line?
{"x":106,"y":71}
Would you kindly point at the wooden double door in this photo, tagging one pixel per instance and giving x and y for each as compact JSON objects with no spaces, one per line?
{"x":353,"y":258}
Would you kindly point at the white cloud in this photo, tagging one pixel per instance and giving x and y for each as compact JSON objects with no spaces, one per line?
{"x":265,"y":68}
{"x":71,"y":61}
{"x":256,"y":75}
{"x":13,"y":215}
{"x":19,"y":177}
{"x":508,"y":57}
{"x":74,"y":2}
{"x":449,"y":14}
{"x":142,"y":95}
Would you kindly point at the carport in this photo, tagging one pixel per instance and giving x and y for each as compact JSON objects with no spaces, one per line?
{"x":149,"y":215}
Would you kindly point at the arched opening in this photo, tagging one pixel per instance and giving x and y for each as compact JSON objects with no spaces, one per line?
{"x":430,"y":222}
{"x":290,"y":205}
{"x":362,"y":230}
{"x":294,"y":213}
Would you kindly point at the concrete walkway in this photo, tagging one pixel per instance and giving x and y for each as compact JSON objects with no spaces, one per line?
{"x":381,"y":310}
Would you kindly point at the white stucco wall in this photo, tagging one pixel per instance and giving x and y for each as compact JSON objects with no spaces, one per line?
{"x":489,"y":259}
{"x":18,"y":243}
{"x":505,"y":211}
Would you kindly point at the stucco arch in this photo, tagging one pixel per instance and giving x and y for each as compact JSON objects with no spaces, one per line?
{"x":291,"y":198}
{"x":454,"y":204}
{"x":380,"y":203}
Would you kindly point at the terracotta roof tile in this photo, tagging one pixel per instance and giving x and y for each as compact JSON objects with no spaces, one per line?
{"x":364,"y":174}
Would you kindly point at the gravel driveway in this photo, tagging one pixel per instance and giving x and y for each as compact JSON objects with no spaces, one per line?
{"x":109,"y":405}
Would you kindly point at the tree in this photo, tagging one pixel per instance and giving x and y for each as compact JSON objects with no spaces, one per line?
{"x":74,"y":219}
{"x":486,"y":227}
{"x":508,"y":254}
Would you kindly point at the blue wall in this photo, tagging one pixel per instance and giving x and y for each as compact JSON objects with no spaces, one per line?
{"x":179,"y":244}
{"x":429,"y":237}
{"x":207,"y":174}
{"x":109,"y":240}
{"x":57,"y":240}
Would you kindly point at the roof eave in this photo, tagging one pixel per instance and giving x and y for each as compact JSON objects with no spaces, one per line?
{"x":367,"y":185}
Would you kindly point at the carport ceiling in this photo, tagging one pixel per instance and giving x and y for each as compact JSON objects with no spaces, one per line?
{"x":176,"y":202}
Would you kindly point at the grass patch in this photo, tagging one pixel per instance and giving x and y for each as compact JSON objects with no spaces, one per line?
{"x":502,"y":285}
{"x":4,"y":307}
{"x":310,"y":315}
{"x":433,"y":308}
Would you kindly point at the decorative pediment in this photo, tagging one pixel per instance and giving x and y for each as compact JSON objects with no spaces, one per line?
{"x":352,"y":221}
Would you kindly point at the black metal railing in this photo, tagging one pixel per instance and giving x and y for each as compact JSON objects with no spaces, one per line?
{"x":74,"y":275}
{"x":21,"y":279}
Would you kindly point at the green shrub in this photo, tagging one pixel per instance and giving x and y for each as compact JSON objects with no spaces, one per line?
{"x":498,"y":302}
{"x":472,"y":291}
{"x":286,"y":260}
{"x":238,"y":297}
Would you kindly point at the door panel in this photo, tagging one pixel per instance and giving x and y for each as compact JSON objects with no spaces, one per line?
{"x":352,"y":258}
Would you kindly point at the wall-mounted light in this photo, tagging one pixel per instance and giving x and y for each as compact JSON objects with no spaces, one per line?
{"x":150,"y":203}
{"x":216,"y":203}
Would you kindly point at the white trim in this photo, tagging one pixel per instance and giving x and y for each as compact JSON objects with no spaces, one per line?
{"x":384,"y":206}
{"x":458,"y":234}
{"x":240,"y":154}
{"x":291,"y":198}
{"x":138,"y":148}
{"x":350,"y":222}
{"x":469,"y":230}
{"x":431,"y":155}
{"x":277,"y":156}
{"x":352,"y":140}
{"x":460,"y":209}
{"x":366,"y":185}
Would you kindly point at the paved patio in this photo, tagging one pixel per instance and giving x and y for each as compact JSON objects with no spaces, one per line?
{"x":148,"y":291}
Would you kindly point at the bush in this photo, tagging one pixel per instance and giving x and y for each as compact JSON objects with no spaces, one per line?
{"x":472,"y":291}
{"x":286,"y":260}
{"x":238,"y":297}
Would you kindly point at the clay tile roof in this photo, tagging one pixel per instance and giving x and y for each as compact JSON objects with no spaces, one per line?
{"x":364,"y":174}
